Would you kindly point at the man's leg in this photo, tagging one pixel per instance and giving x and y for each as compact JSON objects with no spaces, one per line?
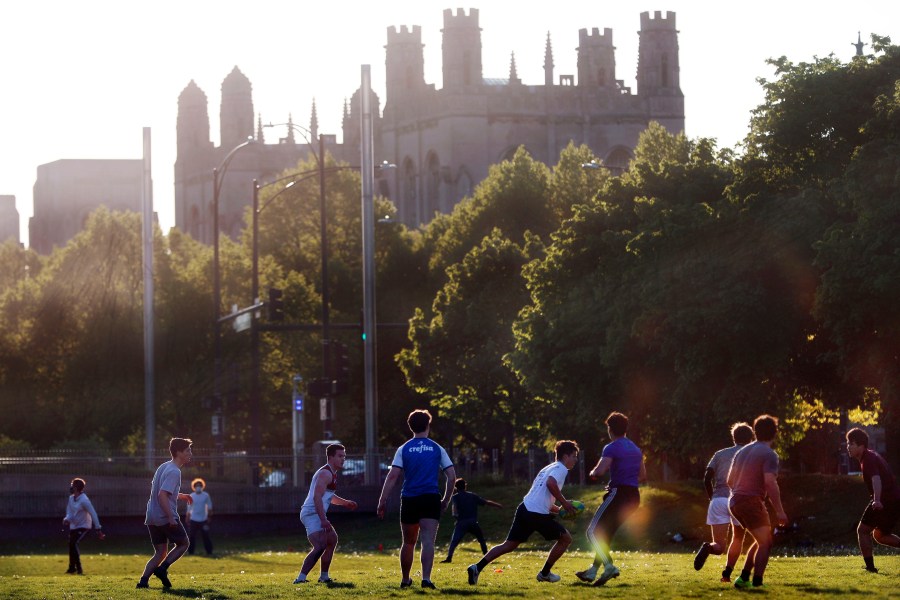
{"x":429,"y":529}
{"x":74,"y":559}
{"x":159,"y":555}
{"x":319,"y":542}
{"x":734,"y":550}
{"x":408,"y":549}
{"x":331,"y":541}
{"x":458,"y":532}
{"x":763,"y":537}
{"x":207,"y":541}
{"x":886,"y":539}
{"x":720,"y":539}
{"x":564,"y":541}
{"x":495,"y":553}
{"x":192,"y":536}
{"x":479,"y":535}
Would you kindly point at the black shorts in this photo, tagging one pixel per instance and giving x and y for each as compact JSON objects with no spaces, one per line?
{"x":526,"y":522}
{"x":160,"y":534}
{"x":618,"y":504}
{"x":750,"y":511}
{"x":883,"y":519}
{"x":416,"y":508}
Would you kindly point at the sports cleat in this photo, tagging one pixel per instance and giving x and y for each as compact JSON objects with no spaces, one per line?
{"x":871,"y":570}
{"x":71,"y":572}
{"x":300,"y":579}
{"x":405,"y":584}
{"x":473,"y":573}
{"x":163,"y":575}
{"x":725,"y":579}
{"x":610,"y":572}
{"x":427,"y":585}
{"x":142,"y":584}
{"x":742,"y":584}
{"x":549,"y":577}
{"x":702,"y":555}
{"x":588,"y":575}
{"x":761,"y":586}
{"x":326,"y":580}
{"x":447,"y":560}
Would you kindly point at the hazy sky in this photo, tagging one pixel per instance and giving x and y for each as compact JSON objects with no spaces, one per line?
{"x":81,"y":79}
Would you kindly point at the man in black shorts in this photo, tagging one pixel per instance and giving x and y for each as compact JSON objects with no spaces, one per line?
{"x":752,"y":477}
{"x":465,"y":509}
{"x":883,"y":511}
{"x":536,"y":513}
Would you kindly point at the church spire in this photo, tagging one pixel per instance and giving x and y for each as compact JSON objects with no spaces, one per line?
{"x":314,"y":122}
{"x":859,"y":44}
{"x":290,"y":127}
{"x":259,"y":129}
{"x":548,"y":62}
{"x":513,"y":73}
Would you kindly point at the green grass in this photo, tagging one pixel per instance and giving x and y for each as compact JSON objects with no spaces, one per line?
{"x":376,"y":575}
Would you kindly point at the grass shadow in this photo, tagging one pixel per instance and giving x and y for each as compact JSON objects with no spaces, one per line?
{"x":193,"y":593}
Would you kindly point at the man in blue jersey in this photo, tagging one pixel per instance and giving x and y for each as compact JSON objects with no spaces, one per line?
{"x":419,"y":463}
{"x":536,"y":513}
{"x":625,"y":463}
{"x":883,"y":511}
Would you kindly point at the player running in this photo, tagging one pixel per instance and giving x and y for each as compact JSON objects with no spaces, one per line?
{"x":465,"y":510}
{"x":536,"y":513}
{"x":80,"y":518}
{"x":419,"y":462}
{"x":752,"y":477}
{"x":881,"y":514}
{"x":319,"y":529}
{"x":718,"y":517}
{"x":625,"y":463}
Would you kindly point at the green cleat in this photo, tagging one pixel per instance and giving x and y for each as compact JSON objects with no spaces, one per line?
{"x":742,"y":584}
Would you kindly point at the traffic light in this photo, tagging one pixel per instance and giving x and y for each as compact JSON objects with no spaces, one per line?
{"x":340,"y":367}
{"x":276,"y":304}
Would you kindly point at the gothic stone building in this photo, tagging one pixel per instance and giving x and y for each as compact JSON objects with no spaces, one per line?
{"x":443,"y":141}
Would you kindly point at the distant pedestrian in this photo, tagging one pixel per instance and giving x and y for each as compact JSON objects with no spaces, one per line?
{"x":199,"y":516}
{"x":162,"y":520}
{"x":718,"y":517}
{"x":752,"y":478}
{"x":419,"y":463}
{"x":313,"y":514}
{"x":465,"y":510}
{"x":883,"y":511}
{"x":536,"y":513}
{"x":625,"y":463}
{"x":80,"y":519}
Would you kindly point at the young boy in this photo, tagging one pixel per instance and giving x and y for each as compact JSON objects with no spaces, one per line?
{"x":162,"y":514}
{"x":465,"y":510}
{"x":536,"y":513}
{"x":883,"y":511}
{"x":80,"y":518}
{"x":319,"y":529}
{"x":199,"y":515}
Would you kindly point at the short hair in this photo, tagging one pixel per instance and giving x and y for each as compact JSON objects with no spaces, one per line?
{"x":78,"y":484}
{"x":858,"y":436}
{"x":177,"y":445}
{"x":741,"y":433}
{"x":765,"y":427}
{"x":418,"y":420}
{"x":332,"y":449}
{"x":617,"y":423}
{"x":565,"y":447}
{"x":200,"y":481}
{"x":460,"y":484}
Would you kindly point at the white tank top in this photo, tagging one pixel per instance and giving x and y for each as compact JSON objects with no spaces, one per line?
{"x":309,"y":506}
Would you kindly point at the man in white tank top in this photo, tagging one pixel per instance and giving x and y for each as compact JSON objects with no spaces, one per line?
{"x":319,"y":530}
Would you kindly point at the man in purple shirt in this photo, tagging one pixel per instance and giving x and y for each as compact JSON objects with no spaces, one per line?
{"x":753,"y":477}
{"x":625,"y":463}
{"x":883,"y":511}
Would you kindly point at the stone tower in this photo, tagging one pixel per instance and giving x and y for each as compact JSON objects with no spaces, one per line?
{"x":658,"y":73}
{"x":461,"y":49}
{"x":404,"y":64}
{"x":192,"y":128}
{"x":236,"y":112}
{"x":596,"y":58}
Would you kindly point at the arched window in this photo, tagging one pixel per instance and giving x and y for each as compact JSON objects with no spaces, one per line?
{"x":664,"y":70}
{"x":408,"y":196}
{"x":193,"y":226}
{"x":617,"y":161}
{"x":432,"y":186}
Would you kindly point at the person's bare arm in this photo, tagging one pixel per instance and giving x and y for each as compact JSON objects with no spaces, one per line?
{"x":774,"y":493}
{"x":876,"y":492}
{"x":553,"y":488}
{"x":450,"y":473}
{"x":393,"y":477}
{"x":602,"y":467}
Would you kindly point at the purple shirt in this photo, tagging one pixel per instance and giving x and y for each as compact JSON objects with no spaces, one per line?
{"x":627,"y":459}
{"x":747,"y":476}
{"x":874,"y":464}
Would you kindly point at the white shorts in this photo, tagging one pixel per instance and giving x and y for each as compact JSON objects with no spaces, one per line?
{"x":313,"y":523}
{"x":718,"y":513}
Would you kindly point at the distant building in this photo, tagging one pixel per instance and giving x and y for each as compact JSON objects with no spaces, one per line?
{"x":67,"y":191}
{"x":9,"y":219}
{"x":443,"y":141}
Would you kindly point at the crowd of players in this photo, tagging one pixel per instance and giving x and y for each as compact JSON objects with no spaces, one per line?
{"x":740,"y":480}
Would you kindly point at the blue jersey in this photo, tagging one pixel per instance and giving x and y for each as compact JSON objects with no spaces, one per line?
{"x":626,"y":462}
{"x":421,"y":460}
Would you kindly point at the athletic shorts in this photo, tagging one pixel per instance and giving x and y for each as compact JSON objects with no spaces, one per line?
{"x":415,"y":508}
{"x":618,"y":504}
{"x":750,"y":511}
{"x":718,"y":513}
{"x":883,"y":519}
{"x":161,"y":534}
{"x":526,"y":522}
{"x":311,"y":522}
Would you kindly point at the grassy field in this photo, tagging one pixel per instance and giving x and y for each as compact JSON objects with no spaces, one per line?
{"x":817,"y":558}
{"x":376,"y":575}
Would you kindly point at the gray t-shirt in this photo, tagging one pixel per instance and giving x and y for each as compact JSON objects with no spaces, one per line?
{"x":751,"y":463}
{"x":168,"y":478}
{"x":720,"y":463}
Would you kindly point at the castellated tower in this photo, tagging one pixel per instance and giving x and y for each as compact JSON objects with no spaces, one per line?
{"x":404,"y":63}
{"x":658,"y":71}
{"x":596,"y":58}
{"x":461,"y":49}
{"x":192,"y":129}
{"x":236,"y":112}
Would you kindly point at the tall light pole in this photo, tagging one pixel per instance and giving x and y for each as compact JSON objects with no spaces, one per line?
{"x":218,"y":175}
